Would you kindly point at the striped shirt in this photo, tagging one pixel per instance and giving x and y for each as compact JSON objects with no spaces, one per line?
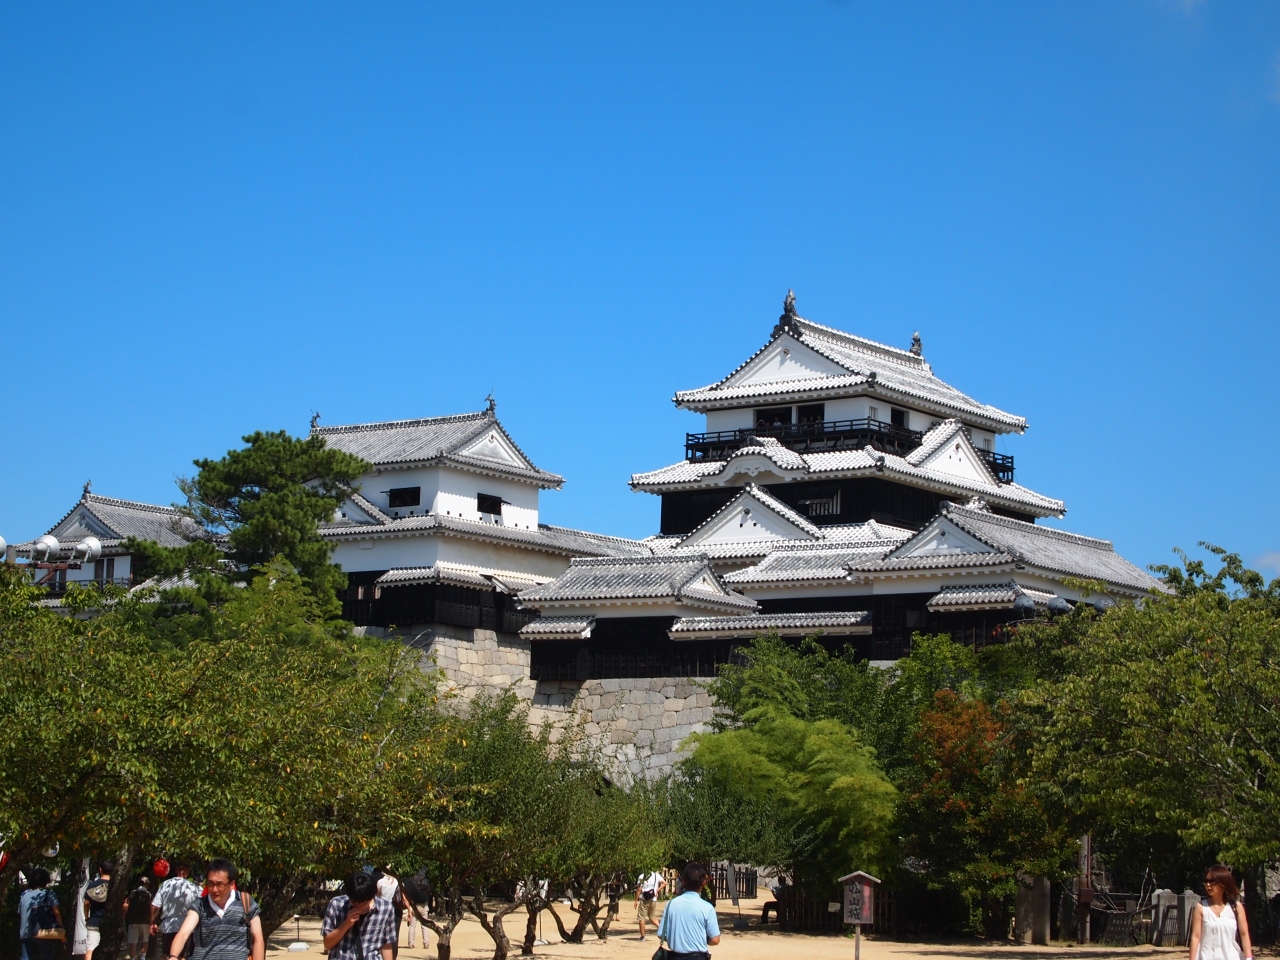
{"x":222,"y":935}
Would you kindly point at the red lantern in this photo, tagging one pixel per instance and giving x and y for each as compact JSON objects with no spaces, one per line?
{"x":160,"y":868}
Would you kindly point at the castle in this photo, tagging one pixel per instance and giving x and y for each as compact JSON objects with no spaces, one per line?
{"x":839,"y":488}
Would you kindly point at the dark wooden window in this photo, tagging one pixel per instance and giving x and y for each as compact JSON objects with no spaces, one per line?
{"x":487,"y":503}
{"x":404,"y":496}
{"x":899,"y":418}
{"x":811,"y":413}
{"x":770,"y":416}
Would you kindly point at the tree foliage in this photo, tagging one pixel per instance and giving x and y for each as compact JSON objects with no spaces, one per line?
{"x":262,"y":501}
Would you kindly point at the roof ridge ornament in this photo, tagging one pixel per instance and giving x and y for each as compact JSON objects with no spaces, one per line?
{"x":492,"y":408}
{"x":787,"y":322}
{"x":917,"y":346}
{"x":88,"y":489}
{"x":315,"y":420}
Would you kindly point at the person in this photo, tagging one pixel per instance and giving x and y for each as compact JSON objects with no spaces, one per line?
{"x":1214,"y":925}
{"x":95,"y":905}
{"x":649,"y":889}
{"x":780,"y":890}
{"x":137,"y":918}
{"x":689,"y":923}
{"x":38,"y":909}
{"x":170,"y":905}
{"x":224,"y":924}
{"x":358,"y":925}
{"x":389,"y":890}
{"x":417,"y":895}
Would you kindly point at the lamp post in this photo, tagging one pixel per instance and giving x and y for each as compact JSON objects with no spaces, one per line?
{"x":47,"y":554}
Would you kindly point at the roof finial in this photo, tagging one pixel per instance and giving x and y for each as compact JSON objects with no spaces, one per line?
{"x":493,"y":405}
{"x":315,"y":418}
{"x":787,"y":322}
{"x":917,"y":347}
{"x":88,"y":487}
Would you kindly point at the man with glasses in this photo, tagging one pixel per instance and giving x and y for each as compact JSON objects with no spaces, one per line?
{"x":223,"y":924}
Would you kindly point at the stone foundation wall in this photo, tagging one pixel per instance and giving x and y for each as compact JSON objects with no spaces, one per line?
{"x":641,"y":721}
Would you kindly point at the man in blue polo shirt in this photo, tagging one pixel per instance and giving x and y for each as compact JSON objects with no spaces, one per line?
{"x":689,"y":923}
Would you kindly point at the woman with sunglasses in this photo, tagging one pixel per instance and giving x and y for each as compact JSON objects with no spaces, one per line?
{"x":1214,"y":926}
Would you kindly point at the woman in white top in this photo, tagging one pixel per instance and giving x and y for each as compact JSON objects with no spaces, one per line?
{"x":1214,"y":927}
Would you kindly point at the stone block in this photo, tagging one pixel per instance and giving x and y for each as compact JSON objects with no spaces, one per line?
{"x":656,"y":685}
{"x":609,"y":686}
{"x":607,"y":700}
{"x":621,"y":736}
{"x":669,"y":720}
{"x":668,"y":690}
{"x":673,"y":705}
{"x":684,"y":690}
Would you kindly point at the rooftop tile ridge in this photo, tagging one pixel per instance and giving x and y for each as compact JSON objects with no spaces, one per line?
{"x":92,"y":498}
{"x":786,"y":510}
{"x":394,"y":424}
{"x":555,"y":528}
{"x":962,"y":513}
{"x":934,"y":438}
{"x":491,"y":416}
{"x":680,"y":559}
{"x":368,"y":506}
{"x":862,"y":344}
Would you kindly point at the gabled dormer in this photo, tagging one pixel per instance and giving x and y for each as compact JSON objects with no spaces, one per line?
{"x":464,"y":466}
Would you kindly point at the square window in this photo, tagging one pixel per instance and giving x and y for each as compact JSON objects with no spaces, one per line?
{"x":900,"y":418}
{"x":404,"y":496}
{"x":487,"y":503}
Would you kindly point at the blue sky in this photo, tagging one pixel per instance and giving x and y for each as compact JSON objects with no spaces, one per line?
{"x":216,"y":219}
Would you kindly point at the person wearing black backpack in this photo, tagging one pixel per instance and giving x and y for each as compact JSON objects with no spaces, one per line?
{"x":359,"y":925}
{"x":38,"y":911}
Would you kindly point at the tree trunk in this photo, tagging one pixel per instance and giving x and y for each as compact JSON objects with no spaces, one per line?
{"x":112,"y":925}
{"x":1256,"y":906}
{"x":493,"y":925}
{"x":564,"y":933}
{"x":534,"y":907}
{"x":281,"y":897}
{"x":453,"y":905}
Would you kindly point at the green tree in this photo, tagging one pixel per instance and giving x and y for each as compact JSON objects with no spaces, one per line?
{"x":1164,"y":720}
{"x":834,"y":800}
{"x":965,"y":821}
{"x":262,"y":501}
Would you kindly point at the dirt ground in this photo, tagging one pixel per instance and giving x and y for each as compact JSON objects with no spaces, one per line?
{"x":470,"y":942}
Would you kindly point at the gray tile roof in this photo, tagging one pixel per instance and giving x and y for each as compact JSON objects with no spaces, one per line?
{"x":814,"y":563}
{"x":558,"y":628}
{"x":428,"y":440}
{"x":987,"y":596}
{"x":783,"y":624}
{"x":460,"y":575}
{"x":679,"y":579}
{"x":112,"y":521}
{"x":1016,"y":542}
{"x":563,"y":541}
{"x":854,"y":463}
{"x":873,"y":368}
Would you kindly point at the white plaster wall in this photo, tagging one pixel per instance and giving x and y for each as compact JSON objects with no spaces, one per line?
{"x":452,"y":491}
{"x":480,"y":554}
{"x":456,"y":496}
{"x":787,"y":359}
{"x":384,"y":553}
{"x":739,"y":419}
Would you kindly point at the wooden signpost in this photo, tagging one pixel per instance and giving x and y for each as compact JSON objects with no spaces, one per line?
{"x":859,"y":905}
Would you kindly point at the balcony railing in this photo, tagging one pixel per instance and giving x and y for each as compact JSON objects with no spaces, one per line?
{"x":1001,"y":464}
{"x":806,"y":438}
{"x":827,"y":435}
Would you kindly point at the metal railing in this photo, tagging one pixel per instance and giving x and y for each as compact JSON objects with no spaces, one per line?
{"x":806,"y":438}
